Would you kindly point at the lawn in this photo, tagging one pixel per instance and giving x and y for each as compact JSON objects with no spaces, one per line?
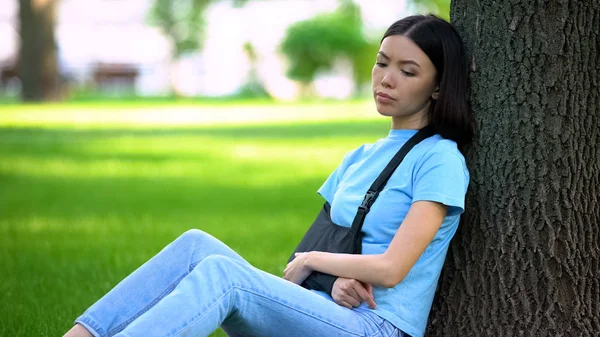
{"x":88,"y":192}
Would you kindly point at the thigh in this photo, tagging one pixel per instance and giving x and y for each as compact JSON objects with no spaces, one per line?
{"x":267,"y":305}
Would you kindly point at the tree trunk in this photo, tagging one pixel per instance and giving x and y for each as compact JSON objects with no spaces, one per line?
{"x":38,"y":67}
{"x":525,"y":261}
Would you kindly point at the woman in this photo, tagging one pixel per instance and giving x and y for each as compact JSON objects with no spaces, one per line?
{"x":196,"y":283}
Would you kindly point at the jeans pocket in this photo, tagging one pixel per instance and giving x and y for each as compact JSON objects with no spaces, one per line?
{"x":387,"y":329}
{"x":400,"y":333}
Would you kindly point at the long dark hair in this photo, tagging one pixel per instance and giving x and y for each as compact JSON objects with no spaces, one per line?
{"x":450,"y":114}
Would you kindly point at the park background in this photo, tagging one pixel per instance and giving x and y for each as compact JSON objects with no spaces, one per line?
{"x":161,"y":116}
{"x":124,"y":123}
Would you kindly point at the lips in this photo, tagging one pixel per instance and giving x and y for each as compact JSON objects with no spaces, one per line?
{"x":384,"y":95}
{"x":383,"y":98}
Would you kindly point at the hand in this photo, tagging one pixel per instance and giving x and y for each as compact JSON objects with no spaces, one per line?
{"x":351,"y":293}
{"x":297,"y":271}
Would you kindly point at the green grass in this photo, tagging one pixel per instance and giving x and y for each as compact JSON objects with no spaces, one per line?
{"x":88,"y":193}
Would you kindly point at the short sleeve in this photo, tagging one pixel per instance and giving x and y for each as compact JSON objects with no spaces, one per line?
{"x":442,"y":177}
{"x":330,"y":185}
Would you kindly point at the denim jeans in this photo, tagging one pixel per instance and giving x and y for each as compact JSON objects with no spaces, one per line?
{"x":197,"y":283}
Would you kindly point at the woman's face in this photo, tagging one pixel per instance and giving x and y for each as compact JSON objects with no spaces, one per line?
{"x":404,"y":79}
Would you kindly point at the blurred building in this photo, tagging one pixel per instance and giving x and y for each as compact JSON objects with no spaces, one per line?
{"x":106,"y":45}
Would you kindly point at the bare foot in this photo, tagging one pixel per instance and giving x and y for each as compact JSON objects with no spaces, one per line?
{"x":78,"y":331}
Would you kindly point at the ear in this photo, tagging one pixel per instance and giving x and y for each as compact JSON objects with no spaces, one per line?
{"x":436,"y":93}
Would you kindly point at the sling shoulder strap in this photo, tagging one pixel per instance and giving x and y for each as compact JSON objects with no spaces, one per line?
{"x":385,"y":175}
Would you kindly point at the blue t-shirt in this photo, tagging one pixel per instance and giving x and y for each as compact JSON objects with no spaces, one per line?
{"x":433,"y":170}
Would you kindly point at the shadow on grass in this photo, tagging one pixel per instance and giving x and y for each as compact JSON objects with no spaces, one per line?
{"x":151,"y":196}
{"x":371,"y":129}
{"x":66,"y":143}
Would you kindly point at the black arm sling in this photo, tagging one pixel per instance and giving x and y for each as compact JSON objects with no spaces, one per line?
{"x":325,"y":236}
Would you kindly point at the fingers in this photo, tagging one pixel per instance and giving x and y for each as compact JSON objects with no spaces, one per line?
{"x":351,"y":300}
{"x":345,"y":304}
{"x":353,"y":293}
{"x":345,"y":300}
{"x":368,"y":288}
{"x":366,"y":295}
{"x":343,"y":294}
{"x":285,"y":271}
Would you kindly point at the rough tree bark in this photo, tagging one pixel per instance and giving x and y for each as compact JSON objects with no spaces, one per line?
{"x":526,"y":259}
{"x":38,"y":68}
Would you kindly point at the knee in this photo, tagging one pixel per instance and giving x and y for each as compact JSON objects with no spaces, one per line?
{"x":190,"y":241}
{"x":191,"y":236}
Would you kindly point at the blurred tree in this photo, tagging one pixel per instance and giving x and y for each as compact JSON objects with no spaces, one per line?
{"x":439,"y":7}
{"x":525,"y":261}
{"x":183,"y":22}
{"x":37,"y":63}
{"x":314,"y":44}
{"x":253,"y":87}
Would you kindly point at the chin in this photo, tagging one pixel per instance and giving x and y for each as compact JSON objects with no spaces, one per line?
{"x":385,"y":111}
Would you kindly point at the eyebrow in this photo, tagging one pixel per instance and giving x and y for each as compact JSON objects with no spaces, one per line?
{"x":401,"y":61}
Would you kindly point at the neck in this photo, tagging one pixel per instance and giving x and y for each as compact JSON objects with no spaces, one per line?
{"x":415,"y":122}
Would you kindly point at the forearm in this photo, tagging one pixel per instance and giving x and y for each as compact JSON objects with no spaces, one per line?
{"x":389,"y":268}
{"x":372,"y":269}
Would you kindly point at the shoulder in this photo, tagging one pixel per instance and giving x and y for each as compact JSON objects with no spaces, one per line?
{"x":442,"y":154}
{"x":441,"y":175}
{"x":437,"y":148}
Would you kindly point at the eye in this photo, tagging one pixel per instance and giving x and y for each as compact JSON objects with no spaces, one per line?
{"x":381,"y":64}
{"x":408,"y":74}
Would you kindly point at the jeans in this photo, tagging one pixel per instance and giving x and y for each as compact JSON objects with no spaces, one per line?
{"x":197,"y":283}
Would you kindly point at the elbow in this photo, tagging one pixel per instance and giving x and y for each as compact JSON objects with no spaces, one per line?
{"x":392,"y":275}
{"x":392,"y":280}
{"x":388,"y":284}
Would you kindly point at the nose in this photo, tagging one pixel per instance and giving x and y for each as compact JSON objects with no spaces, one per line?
{"x":388,"y":80}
